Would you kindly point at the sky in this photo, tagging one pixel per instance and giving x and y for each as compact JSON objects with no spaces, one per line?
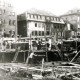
{"x":57,"y":7}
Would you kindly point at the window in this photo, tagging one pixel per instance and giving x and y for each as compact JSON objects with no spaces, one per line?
{"x":31,"y":16}
{"x":35,"y":33}
{"x":14,"y":32}
{"x":39,"y":17}
{"x":54,"y":18}
{"x":32,"y":32}
{"x":43,"y":25}
{"x":35,"y":17}
{"x":39,"y":24}
{"x":9,"y":22}
{"x":58,"y":26}
{"x":39,"y":33}
{"x":49,"y":18}
{"x":10,"y":32}
{"x":47,"y":33}
{"x":59,"y":19}
{"x":0,"y":21}
{"x":55,"y":26}
{"x":42,"y":33}
{"x":35,"y":24}
{"x":66,"y":18}
{"x":43,"y":17}
{"x":0,"y":11}
{"x":4,"y":11}
{"x":14,"y":22}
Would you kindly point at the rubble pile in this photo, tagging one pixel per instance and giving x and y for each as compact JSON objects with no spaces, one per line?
{"x":22,"y":74}
{"x":56,"y":71}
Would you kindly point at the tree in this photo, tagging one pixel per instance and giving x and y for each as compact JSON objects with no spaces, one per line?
{"x":74,"y":27}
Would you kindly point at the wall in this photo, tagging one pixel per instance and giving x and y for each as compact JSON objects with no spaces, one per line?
{"x":22,"y":28}
{"x":8,"y":19}
{"x":31,"y":27}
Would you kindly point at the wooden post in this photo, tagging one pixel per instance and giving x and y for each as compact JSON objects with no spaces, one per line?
{"x":30,"y":43}
{"x":27,"y":59}
{"x":24,"y":56}
{"x":76,"y":41}
{"x":42,"y":64}
{"x":3,"y":56}
{"x":46,"y":44}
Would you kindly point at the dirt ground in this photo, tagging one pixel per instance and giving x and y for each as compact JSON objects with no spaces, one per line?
{"x":58,"y":69}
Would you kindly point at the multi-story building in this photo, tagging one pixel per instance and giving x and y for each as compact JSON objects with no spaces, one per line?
{"x":73,"y":17}
{"x":8,"y":20}
{"x":38,"y":23}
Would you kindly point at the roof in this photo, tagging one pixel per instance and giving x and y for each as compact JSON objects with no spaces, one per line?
{"x":74,"y":11}
{"x":40,"y":12}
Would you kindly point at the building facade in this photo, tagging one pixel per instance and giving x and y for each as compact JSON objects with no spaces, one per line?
{"x":38,"y":23}
{"x":8,"y":20}
{"x":73,"y":17}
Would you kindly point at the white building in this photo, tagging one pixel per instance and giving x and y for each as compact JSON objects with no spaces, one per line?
{"x":38,"y":23}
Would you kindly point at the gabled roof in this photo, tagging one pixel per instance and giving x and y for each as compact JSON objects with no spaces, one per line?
{"x":40,"y":12}
{"x":74,"y":11}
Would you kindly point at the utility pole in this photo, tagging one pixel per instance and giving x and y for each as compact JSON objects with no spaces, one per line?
{"x":45,"y":44}
{"x":48,"y":24}
{"x":76,"y":32}
{"x":30,"y":42}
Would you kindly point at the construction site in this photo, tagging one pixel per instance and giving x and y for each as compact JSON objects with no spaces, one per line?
{"x":51,"y":60}
{"x":38,"y":45}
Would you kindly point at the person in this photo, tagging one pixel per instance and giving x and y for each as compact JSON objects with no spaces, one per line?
{"x":39,"y":45}
{"x":4,"y":45}
{"x":78,"y":49}
{"x":31,"y":57}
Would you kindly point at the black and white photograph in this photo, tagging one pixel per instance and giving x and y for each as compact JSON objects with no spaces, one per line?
{"x":39,"y":39}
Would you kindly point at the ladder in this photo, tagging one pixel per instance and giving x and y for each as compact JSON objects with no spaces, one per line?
{"x":75,"y":56}
{"x":16,"y":54}
{"x":59,"y":52}
{"x":27,"y":60}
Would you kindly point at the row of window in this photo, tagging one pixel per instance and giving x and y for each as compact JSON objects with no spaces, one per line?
{"x":40,"y":33}
{"x":56,"y":26}
{"x":11,"y":22}
{"x":4,"y":4}
{"x":12,"y":14}
{"x":4,"y":11}
{"x":71,"y":18}
{"x":40,"y":25}
{"x":37,"y":33}
{"x":74,"y":11}
{"x":34,"y":16}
